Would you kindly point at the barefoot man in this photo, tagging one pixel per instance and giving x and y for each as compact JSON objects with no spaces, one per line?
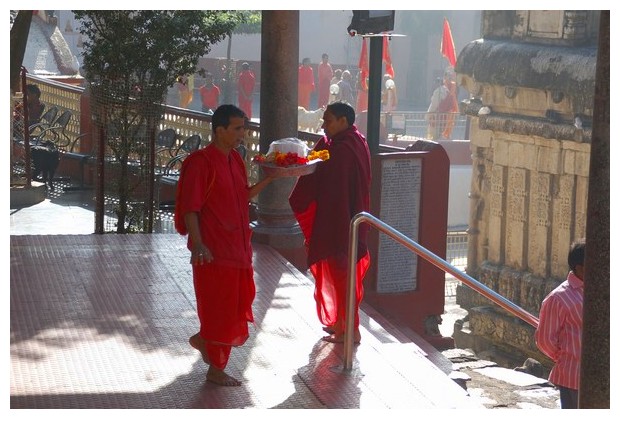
{"x":324,"y":204}
{"x":212,"y":208}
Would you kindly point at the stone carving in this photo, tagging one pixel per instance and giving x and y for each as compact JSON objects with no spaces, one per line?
{"x":530,"y":163}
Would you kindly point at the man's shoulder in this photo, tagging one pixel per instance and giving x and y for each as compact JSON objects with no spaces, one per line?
{"x":198,"y":156}
{"x":559,"y":290}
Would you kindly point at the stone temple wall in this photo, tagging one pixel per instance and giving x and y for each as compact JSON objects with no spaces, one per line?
{"x":531,"y":80}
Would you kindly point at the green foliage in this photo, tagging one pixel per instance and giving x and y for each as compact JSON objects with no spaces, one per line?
{"x":152,"y":45}
{"x":130,"y":60}
{"x":252,"y":21}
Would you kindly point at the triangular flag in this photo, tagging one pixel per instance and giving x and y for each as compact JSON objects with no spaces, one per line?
{"x":363,"y":65}
{"x":447,"y":44}
{"x":386,"y":58}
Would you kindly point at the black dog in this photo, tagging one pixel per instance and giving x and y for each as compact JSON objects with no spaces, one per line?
{"x":45,"y":159}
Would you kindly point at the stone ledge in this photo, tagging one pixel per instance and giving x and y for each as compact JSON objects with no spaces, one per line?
{"x":23,"y":196}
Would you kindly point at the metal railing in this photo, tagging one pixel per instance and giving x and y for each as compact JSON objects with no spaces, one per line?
{"x":416,"y":123}
{"x":427,"y":255}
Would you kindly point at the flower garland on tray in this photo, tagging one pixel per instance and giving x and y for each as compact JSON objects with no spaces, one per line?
{"x":290,"y":159}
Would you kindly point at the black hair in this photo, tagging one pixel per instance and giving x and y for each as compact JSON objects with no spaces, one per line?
{"x":577,"y":254}
{"x":33,"y":89}
{"x":221,"y":116}
{"x":340,"y":109}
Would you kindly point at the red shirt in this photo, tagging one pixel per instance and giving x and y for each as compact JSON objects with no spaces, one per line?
{"x":215,"y":186}
{"x":559,"y":331}
{"x":210,"y":97}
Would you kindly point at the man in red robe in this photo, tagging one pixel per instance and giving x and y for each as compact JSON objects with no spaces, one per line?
{"x":209,"y":94}
{"x":325,"y":77}
{"x":212,"y":208}
{"x":324,"y":204}
{"x":305,"y":83}
{"x":245,"y":89}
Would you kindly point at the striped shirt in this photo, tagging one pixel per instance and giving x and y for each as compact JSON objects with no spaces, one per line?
{"x":559,"y":331}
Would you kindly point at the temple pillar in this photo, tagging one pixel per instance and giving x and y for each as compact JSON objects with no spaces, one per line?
{"x":276,"y":224}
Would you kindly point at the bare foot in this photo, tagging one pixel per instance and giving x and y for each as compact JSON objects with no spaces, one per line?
{"x":217,"y":376}
{"x":339,"y":338}
{"x":332,"y":329}
{"x":198,"y":343}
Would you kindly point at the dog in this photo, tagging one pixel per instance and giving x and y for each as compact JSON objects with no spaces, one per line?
{"x":309,"y":120}
{"x":45,"y":159}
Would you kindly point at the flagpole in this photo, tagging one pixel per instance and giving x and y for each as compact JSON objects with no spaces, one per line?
{"x":374,"y":93}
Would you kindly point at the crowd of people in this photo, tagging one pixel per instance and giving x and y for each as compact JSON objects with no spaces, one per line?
{"x":315,"y":90}
{"x":342,"y":85}
{"x":326,"y":85}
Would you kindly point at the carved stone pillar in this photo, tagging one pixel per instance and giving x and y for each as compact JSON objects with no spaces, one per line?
{"x":530,"y":142}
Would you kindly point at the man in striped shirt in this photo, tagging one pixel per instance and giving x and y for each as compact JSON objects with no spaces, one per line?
{"x":559,"y":329}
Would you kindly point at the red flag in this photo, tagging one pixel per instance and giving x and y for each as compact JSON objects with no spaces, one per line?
{"x":447,"y":44}
{"x":386,"y":58}
{"x":363,"y":65}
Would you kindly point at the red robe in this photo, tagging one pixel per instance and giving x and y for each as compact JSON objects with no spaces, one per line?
{"x":324,"y":204}
{"x":305,"y":85}
{"x":215,"y":186}
{"x":245,"y":89}
{"x":210,"y":97}
{"x":325,"y":77}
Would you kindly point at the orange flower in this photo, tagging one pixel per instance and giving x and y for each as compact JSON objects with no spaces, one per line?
{"x":321,"y":154}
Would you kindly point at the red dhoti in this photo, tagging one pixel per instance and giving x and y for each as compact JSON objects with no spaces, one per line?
{"x":223,"y":311}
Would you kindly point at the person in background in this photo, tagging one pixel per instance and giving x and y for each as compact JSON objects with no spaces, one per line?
{"x":324,"y":204}
{"x":389,"y":99}
{"x":451,"y":108}
{"x":35,"y":106}
{"x":209,"y":94}
{"x":325,"y":73}
{"x":362,"y":94}
{"x":346,"y":88}
{"x":35,"y":111}
{"x":560,"y":327}
{"x":433,"y":116}
{"x":335,"y":95}
{"x":212,"y":208}
{"x":305,"y":83}
{"x":245,"y":89}
{"x":185,"y":85}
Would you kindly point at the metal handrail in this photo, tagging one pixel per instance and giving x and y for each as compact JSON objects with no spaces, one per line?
{"x":424,"y":253}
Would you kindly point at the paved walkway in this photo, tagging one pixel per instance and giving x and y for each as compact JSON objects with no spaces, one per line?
{"x":102,"y":321}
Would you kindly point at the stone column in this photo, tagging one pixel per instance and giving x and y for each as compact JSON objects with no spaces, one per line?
{"x":276,"y":225}
{"x":595,"y":352}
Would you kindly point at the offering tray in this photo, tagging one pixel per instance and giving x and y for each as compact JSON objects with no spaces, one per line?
{"x":291,"y":171}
